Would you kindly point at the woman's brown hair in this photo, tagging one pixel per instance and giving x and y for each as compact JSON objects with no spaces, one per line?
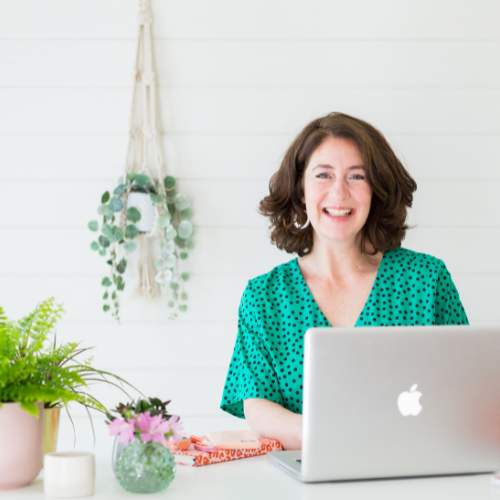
{"x":392,"y":187}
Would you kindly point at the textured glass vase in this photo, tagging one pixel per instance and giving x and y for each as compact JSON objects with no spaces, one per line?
{"x":145,"y":467}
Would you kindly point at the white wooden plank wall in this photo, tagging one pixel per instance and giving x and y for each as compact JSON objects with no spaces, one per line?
{"x":237,"y":81}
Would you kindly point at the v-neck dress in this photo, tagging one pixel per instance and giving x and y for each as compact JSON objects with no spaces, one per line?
{"x":277,"y":308}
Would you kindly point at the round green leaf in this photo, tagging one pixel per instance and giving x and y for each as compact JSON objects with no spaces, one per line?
{"x":184,"y":296}
{"x":106,"y":295}
{"x":185,"y":276}
{"x":107,"y":230}
{"x":103,"y":210}
{"x":187,"y":213}
{"x":182,"y":201}
{"x":163,"y":220}
{"x":158,"y":263}
{"x":105,"y":197}
{"x":94,"y":245}
{"x":133,"y":215}
{"x":130,"y":246}
{"x":171,"y":233}
{"x":170,"y":261}
{"x":93,"y":225}
{"x":174,"y":286}
{"x":116,"y":234}
{"x":185,"y":229}
{"x":141,"y":179}
{"x":156,"y":198}
{"x":120,"y":189}
{"x":169,"y":182}
{"x":190,"y":244}
{"x":170,"y":303}
{"x":115,"y":205}
{"x":102,"y":252}
{"x":180,"y":242}
{"x":105,"y":308}
{"x":183,"y":308}
{"x":184,"y":255}
{"x":121,"y":266}
{"x":106,"y":282}
{"x":131,"y":232}
{"x":103,"y":241}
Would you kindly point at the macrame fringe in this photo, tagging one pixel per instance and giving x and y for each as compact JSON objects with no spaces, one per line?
{"x":147,"y":287}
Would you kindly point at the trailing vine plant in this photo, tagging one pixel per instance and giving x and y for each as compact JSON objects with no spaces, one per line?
{"x":118,"y":235}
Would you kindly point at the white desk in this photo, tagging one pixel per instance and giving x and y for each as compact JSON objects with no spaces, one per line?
{"x":257,"y":479}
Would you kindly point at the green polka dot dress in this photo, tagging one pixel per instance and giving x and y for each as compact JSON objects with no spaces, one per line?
{"x":277,"y":309}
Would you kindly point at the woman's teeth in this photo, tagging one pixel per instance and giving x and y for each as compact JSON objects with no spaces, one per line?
{"x":332,"y":211}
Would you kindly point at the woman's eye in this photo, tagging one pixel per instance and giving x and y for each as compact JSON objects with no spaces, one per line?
{"x":323,"y":175}
{"x":358,"y":176}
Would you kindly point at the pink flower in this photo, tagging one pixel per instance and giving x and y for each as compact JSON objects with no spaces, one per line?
{"x":175,"y":427}
{"x":153,"y":428}
{"x":124,"y":428}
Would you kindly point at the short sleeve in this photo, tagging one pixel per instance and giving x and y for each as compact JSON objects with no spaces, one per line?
{"x":449,"y":310}
{"x":251,"y":373}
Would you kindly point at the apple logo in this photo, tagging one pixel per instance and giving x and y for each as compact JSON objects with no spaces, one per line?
{"x":408,"y":402}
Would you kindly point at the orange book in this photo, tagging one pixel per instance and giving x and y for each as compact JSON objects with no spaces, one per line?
{"x":197,"y":458}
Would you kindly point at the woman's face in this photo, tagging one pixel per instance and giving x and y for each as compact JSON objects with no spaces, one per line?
{"x":336,"y":193}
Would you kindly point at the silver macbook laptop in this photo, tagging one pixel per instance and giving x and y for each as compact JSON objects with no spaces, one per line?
{"x":398,"y":402}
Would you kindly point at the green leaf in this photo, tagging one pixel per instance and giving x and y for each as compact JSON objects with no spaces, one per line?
{"x":156,"y":198}
{"x":122,"y":265}
{"x":184,"y":296}
{"x":185,"y":229}
{"x":159,"y":263}
{"x":109,"y":262}
{"x":131,"y":232}
{"x":171,"y":233}
{"x":94,"y":245}
{"x":183,"y":308}
{"x":106,"y":295}
{"x":175,"y":295}
{"x":182,"y":201}
{"x":163,"y":220}
{"x":141,"y":180}
{"x":93,"y":225}
{"x":107,"y":230}
{"x":116,"y":204}
{"x":180,"y":242}
{"x":190,"y":244}
{"x":102,"y":252}
{"x":133,"y":215}
{"x":105,"y":197}
{"x":116,"y":235}
{"x":120,"y":189}
{"x":131,"y":175}
{"x":130,"y":246}
{"x":103,"y":241}
{"x":120,"y":286}
{"x":185,"y":276}
{"x":169,"y":182}
{"x":103,"y":210}
{"x":114,"y":296}
{"x":187,"y":213}
{"x":170,"y":303}
{"x":170,"y":261}
{"x":105,"y":308}
{"x":184,"y":255}
{"x":106,"y":282}
{"x":174,"y":286}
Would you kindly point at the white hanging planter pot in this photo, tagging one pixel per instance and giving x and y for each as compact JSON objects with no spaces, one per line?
{"x":143,"y":203}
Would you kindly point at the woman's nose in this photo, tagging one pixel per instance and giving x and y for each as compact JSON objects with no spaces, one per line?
{"x":339,"y":189}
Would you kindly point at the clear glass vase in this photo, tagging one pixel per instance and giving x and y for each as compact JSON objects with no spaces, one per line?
{"x":145,"y":467}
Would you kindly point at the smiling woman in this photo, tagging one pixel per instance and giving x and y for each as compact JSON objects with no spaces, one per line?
{"x":339,"y":201}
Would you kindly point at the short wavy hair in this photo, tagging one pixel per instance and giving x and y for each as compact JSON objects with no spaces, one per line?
{"x":392,"y":187}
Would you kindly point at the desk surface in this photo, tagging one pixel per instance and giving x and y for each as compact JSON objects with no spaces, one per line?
{"x":256,"y":478}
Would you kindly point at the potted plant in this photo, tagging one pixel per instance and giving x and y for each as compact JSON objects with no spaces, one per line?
{"x":141,"y":462}
{"x":35,"y":373}
{"x":143,"y":207}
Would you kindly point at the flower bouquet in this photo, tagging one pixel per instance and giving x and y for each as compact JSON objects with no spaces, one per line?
{"x":143,"y":463}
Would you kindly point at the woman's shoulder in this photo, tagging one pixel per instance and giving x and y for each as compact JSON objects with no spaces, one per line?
{"x":404,"y":259}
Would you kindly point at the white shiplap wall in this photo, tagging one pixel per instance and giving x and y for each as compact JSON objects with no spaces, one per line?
{"x":237,"y":81}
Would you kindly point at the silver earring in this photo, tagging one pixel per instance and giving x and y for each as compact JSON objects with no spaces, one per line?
{"x":298,"y":226}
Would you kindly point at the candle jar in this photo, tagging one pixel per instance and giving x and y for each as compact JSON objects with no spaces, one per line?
{"x":145,"y":467}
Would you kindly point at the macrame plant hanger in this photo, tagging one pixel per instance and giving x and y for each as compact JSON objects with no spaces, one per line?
{"x":144,"y":147}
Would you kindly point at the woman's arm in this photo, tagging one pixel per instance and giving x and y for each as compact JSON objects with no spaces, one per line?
{"x":270,"y":420}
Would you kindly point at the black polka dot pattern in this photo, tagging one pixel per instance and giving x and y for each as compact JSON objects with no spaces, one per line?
{"x":277,"y":309}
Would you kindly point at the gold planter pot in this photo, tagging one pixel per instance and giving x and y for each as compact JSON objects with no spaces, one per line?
{"x":51,"y":418}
